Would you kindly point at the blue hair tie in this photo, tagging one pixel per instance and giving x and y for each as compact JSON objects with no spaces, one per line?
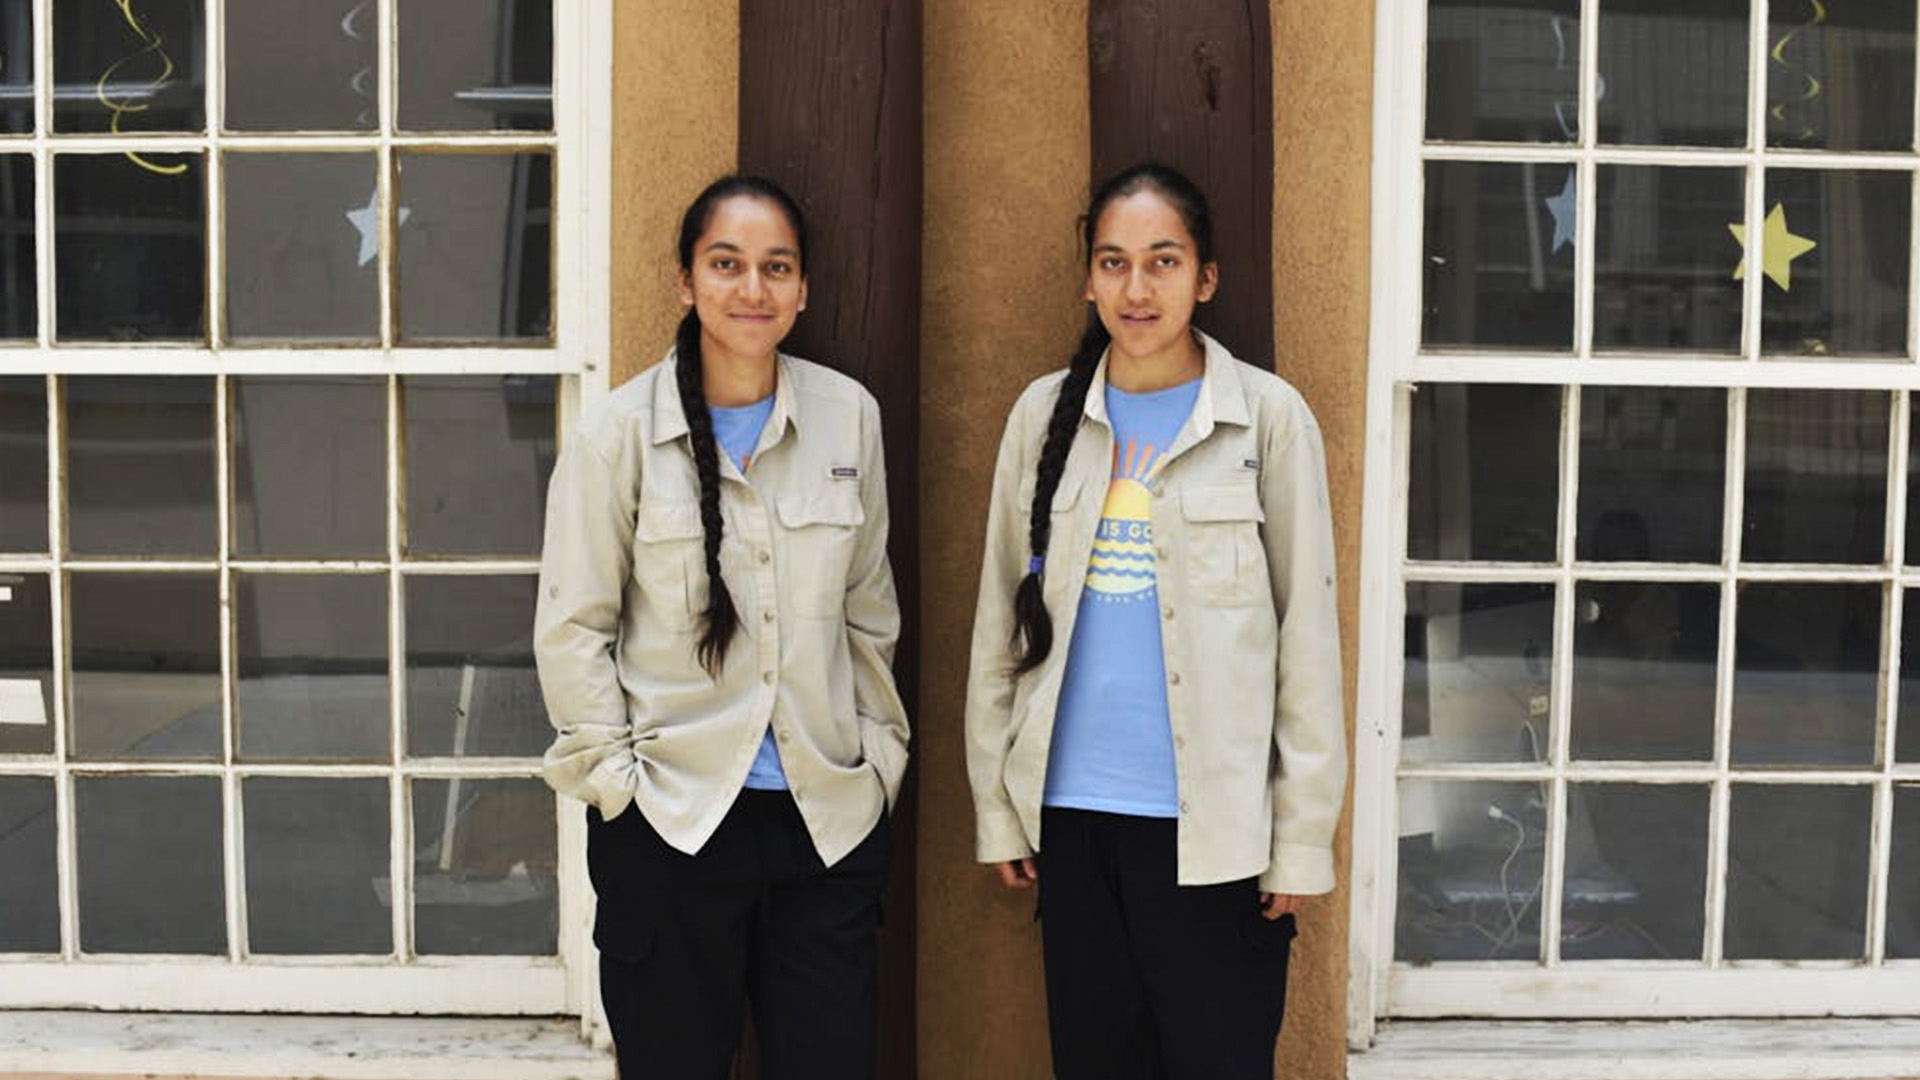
{"x":1036,"y":564}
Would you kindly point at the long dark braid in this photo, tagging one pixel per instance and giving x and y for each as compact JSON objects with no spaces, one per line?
{"x":1032,"y":624}
{"x":721,"y":620}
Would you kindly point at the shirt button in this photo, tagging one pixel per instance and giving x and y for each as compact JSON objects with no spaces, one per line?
{"x":1167,"y":611}
{"x":766,"y":615}
{"x":1180,"y":741}
{"x":786,"y":735}
{"x":1174,"y":678}
{"x":1160,"y":552}
{"x":1183,"y":807}
{"x":767,"y":677}
{"x":766,"y":557}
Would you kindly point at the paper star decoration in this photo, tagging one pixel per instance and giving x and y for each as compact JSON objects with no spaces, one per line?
{"x":1778,"y":248}
{"x":366,"y":220}
{"x":1565,"y":208}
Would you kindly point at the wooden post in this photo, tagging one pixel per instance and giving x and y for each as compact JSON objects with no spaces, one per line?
{"x":830,"y":107}
{"x":1189,"y":83}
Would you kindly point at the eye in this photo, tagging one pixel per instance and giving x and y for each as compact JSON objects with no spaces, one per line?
{"x":779,"y":268}
{"x":723,"y":264}
{"x":1167,"y":262}
{"x":1111,"y":262}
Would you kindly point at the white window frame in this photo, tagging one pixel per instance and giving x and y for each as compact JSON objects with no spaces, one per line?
{"x":1378,"y":988}
{"x":581,"y":145}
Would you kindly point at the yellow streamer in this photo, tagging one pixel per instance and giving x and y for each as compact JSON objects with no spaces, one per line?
{"x":121,"y":108}
{"x":1813,"y":88}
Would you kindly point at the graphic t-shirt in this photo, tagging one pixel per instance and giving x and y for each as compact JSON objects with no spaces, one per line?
{"x":1112,"y":740}
{"x":737,"y":430}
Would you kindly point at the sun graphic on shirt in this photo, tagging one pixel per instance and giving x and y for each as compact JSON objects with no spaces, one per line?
{"x":1121,"y":568}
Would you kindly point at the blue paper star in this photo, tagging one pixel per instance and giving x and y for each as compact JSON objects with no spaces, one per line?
{"x":1565,"y":208}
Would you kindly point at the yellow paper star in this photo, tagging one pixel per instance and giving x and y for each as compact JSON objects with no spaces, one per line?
{"x":1778,"y":248}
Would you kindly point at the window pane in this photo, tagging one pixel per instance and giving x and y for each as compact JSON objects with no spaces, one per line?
{"x":1479,"y":672}
{"x":150,"y":864}
{"x":130,"y":256}
{"x":1652,"y":474}
{"x":23,"y":463}
{"x":471,"y":687}
{"x":1834,"y":248}
{"x":1636,"y":872}
{"x":1907,"y":734}
{"x":1797,"y":872}
{"x":1643,"y":670}
{"x":17,"y":61}
{"x":317,"y":866}
{"x":1660,"y":275}
{"x":1903,"y":875}
{"x":483,"y":868}
{"x":1497,"y":72}
{"x":294,"y":65}
{"x":131,"y":67}
{"x":1816,"y":476}
{"x":1485,"y":478}
{"x":1499,"y":255}
{"x":19,"y":298}
{"x":146,"y":666}
{"x":29,"y":890}
{"x":26,"y":667}
{"x":479,"y":454}
{"x":312,"y":656}
{"x":1469,"y":880}
{"x":1675,"y":72}
{"x":1806,"y":687}
{"x":465,"y":67}
{"x":309,"y":467}
{"x":1840,"y":76}
{"x":140,"y":466}
{"x":303,"y":247}
{"x":475,"y":246}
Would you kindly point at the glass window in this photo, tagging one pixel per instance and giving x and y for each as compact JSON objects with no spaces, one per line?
{"x":150,"y":864}
{"x":483,"y":868}
{"x":464,"y":68}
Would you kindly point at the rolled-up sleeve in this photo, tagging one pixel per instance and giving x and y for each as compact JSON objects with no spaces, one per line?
{"x":584,"y":565}
{"x":1309,"y":729}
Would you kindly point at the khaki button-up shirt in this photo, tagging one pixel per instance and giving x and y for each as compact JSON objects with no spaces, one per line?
{"x":804,"y":553}
{"x":1249,"y":630}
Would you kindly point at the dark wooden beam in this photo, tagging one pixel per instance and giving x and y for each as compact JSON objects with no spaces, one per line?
{"x":830,"y":107}
{"x":1190,"y":83}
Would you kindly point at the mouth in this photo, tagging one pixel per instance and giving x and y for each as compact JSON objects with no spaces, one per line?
{"x":1144,"y":318}
{"x":752,"y":317}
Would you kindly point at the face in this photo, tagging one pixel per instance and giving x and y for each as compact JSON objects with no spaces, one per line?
{"x":1146,"y":277}
{"x":745,"y":282}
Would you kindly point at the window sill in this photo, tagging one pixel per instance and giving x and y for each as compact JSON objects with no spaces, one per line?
{"x":1828,"y":1049}
{"x":92,"y":1044}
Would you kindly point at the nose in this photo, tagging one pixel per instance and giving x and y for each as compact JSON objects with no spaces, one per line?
{"x":753,"y":285}
{"x":1138,"y":288}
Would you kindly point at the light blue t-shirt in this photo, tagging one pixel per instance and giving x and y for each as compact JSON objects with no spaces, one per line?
{"x":737,"y":430}
{"x":1112,"y":739}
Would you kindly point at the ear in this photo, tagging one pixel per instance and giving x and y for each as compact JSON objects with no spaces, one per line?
{"x":1209,"y":281}
{"x":803,"y":294}
{"x":1089,"y":298}
{"x":685,"y":284}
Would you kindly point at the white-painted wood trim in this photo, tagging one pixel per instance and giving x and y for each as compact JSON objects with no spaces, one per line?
{"x":1626,"y":989}
{"x":473,"y":358}
{"x":1699,"y":1050}
{"x":382,"y":1048}
{"x":490,"y":986}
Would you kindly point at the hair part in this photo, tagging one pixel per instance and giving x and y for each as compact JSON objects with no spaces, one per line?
{"x":1032,"y":624}
{"x":720,"y":622}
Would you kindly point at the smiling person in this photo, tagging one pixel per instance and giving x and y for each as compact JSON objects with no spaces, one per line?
{"x":715,"y":631}
{"x":1155,"y":735}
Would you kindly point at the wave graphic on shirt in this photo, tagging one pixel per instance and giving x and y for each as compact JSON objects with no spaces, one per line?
{"x":1121,"y":569}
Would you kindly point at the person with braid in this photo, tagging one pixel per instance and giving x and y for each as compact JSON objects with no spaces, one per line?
{"x":1155,"y":734}
{"x":715,"y":633}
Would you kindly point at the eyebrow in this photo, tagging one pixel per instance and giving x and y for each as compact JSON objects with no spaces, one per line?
{"x":728,"y":245}
{"x":1157,"y":245}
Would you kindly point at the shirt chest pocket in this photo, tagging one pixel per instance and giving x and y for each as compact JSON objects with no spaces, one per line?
{"x":669,"y":557}
{"x":1226,"y":564}
{"x":818,"y":533}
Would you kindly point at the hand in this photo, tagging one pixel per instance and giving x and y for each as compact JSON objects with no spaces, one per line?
{"x":1018,"y":873}
{"x":1273,"y":905}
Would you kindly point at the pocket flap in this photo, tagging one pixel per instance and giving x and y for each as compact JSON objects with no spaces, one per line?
{"x":1222,"y":502}
{"x":657,"y":522}
{"x":822,"y":508}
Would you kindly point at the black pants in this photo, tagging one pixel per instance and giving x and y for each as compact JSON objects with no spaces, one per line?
{"x":686,"y":940}
{"x":1148,"y":979}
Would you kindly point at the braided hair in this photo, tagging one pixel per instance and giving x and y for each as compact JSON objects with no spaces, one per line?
{"x":721,"y":620}
{"x":1032,"y":625}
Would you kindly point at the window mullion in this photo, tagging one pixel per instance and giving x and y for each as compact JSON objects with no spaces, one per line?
{"x":1721,"y":802}
{"x":399,"y":802}
{"x":1751,"y":294}
{"x":66,"y":843}
{"x":234,"y":872}
{"x":1879,"y":859}
{"x":1559,"y":698}
{"x":388,"y":80}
